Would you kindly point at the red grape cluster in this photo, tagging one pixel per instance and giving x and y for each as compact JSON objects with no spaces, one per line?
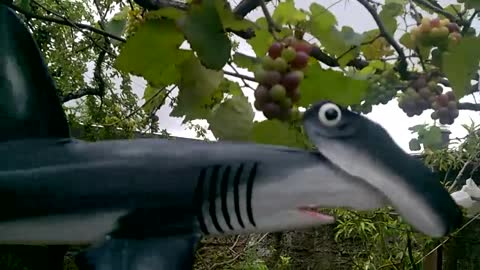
{"x":445,"y":108}
{"x":419,"y":96}
{"x":279,"y":77}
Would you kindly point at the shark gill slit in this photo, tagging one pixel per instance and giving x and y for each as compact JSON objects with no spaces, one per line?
{"x":213,"y":196}
{"x":223,"y":192}
{"x":198,"y":201}
{"x":251,"y":178}
{"x":236,"y":195}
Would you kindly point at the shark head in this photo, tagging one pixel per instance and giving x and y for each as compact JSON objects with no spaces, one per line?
{"x":364,"y":149}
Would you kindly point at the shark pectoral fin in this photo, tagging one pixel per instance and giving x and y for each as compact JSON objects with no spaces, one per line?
{"x":29,"y":106}
{"x":175,"y":252}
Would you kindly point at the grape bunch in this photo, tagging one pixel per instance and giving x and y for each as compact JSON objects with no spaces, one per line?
{"x":445,"y":108}
{"x":436,"y":32}
{"x":382,"y":88}
{"x":279,"y":77}
{"x":419,"y":95}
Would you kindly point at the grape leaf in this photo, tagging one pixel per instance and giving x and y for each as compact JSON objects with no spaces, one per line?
{"x":472,"y":4}
{"x":388,"y":16}
{"x":461,"y":64}
{"x":154,"y":98}
{"x":204,"y":31}
{"x":263,"y":39}
{"x":233,"y":119}
{"x":339,"y":43}
{"x":275,"y":132}
{"x":330,"y":85}
{"x":380,"y":47}
{"x":167,"y":12}
{"x":287,"y":13}
{"x":321,"y":19}
{"x":432,"y":138}
{"x":196,"y":88}
{"x":116,"y":27}
{"x":230,"y":87}
{"x":406,"y":40}
{"x":153,"y":53}
{"x":230,"y":20}
{"x":245,"y":61}
{"x":452,"y":9}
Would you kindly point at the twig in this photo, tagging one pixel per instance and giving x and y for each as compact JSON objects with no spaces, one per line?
{"x":448,"y":238}
{"x":246,"y":6}
{"x":65,"y":22}
{"x":238,"y":74}
{"x":272,"y":27}
{"x":241,"y":76}
{"x":467,"y":26}
{"x":439,"y":10}
{"x":354,"y":47}
{"x":469,"y":106}
{"x":402,"y":59}
{"x":410,"y":248}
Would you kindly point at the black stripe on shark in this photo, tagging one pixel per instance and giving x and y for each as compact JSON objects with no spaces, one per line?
{"x":217,"y":183}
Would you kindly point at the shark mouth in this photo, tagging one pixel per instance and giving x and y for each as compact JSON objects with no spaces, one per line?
{"x":312,"y":210}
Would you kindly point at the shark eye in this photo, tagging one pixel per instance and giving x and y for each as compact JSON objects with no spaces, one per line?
{"x":329,"y":114}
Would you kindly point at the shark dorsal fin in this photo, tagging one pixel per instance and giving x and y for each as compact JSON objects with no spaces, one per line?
{"x":29,"y":106}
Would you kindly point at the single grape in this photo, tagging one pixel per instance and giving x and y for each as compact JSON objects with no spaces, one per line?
{"x":453,"y":27}
{"x":434,"y":115}
{"x":450,"y":95}
{"x":419,"y":83}
{"x":271,"y":110}
{"x":258,"y":105}
{"x":295,"y":95}
{"x":442,"y":100}
{"x":292,"y":79}
{"x":272,"y":78}
{"x":300,"y":61}
{"x":261,"y":94}
{"x":260,"y":74}
{"x":289,"y":54}
{"x":443,"y":112}
{"x":268,"y":63}
{"x":278,"y":92}
{"x":285,"y":103}
{"x":302,"y":46}
{"x":452,"y":105}
{"x":424,"y":92}
{"x":454,"y":113}
{"x":275,"y":50}
{"x":280,"y":64}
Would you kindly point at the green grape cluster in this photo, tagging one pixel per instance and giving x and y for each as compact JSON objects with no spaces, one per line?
{"x":419,"y":95}
{"x":382,"y":88}
{"x":279,"y":76}
{"x":445,"y":108}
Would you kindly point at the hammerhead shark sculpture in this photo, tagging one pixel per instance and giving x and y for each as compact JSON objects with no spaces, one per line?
{"x":146,"y":202}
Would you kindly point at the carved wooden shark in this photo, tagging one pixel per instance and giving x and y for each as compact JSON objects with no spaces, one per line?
{"x":146,"y":202}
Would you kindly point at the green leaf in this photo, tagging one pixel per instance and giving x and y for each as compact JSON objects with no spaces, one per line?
{"x":461,"y":64}
{"x":167,"y":12}
{"x":245,"y":61}
{"x":452,"y":9}
{"x":24,"y":4}
{"x":263,"y":39}
{"x":230,"y":20}
{"x":472,"y":4}
{"x":287,"y":13}
{"x":388,"y":16}
{"x":406,"y":40}
{"x":432,"y":138}
{"x":196,"y":89}
{"x":230,"y":87}
{"x":154,"y":98}
{"x":330,"y":85}
{"x":233,"y":119}
{"x":152,"y":53}
{"x":116,"y":27}
{"x":339,"y":43}
{"x":204,"y":31}
{"x":321,"y":19}
{"x":275,"y":132}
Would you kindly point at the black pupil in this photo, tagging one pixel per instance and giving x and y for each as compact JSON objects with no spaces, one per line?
{"x":331,"y":114}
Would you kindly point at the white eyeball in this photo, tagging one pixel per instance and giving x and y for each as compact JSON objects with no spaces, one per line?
{"x":329,"y":114}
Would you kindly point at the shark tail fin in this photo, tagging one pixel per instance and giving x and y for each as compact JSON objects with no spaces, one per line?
{"x":29,"y":105}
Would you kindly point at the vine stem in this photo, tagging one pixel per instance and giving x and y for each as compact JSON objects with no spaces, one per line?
{"x":448,"y":238}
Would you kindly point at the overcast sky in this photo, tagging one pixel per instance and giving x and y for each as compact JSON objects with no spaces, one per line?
{"x":348,"y":13}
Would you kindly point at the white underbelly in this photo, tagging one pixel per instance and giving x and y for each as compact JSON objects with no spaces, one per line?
{"x":78,"y":229}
